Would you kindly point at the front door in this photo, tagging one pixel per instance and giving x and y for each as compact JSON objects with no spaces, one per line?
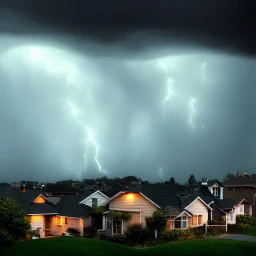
{"x":47,"y":225}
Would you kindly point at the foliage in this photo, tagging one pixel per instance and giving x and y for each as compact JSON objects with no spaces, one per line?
{"x":157,"y":221}
{"x":250,"y":220}
{"x":119,"y":239}
{"x":229,"y":176}
{"x":191,"y":179}
{"x":137,"y":234}
{"x":216,"y":230}
{"x":120,"y":215}
{"x":90,"y":232}
{"x":198,"y":232}
{"x":12,"y":219}
{"x":237,"y":228}
{"x":98,"y":210}
{"x":33,"y":233}
{"x":172,"y":180}
{"x":73,"y":231}
{"x":5,"y":238}
{"x":217,"y":222}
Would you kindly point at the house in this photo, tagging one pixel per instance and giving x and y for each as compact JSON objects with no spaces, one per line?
{"x":182,"y":211}
{"x":184,"y":207}
{"x":233,"y":207}
{"x":241,"y":187}
{"x":52,"y":215}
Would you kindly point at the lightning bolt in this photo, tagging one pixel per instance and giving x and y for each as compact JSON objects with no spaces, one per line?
{"x":192,"y":112}
{"x":56,"y":65}
{"x":169,"y":91}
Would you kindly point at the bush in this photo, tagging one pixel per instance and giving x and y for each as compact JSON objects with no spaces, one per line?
{"x":237,"y":228}
{"x":218,"y":230}
{"x":198,"y":232}
{"x":137,"y":234}
{"x":5,"y":238}
{"x":34,"y":233}
{"x":90,"y":232}
{"x":119,"y":239}
{"x":73,"y":231}
{"x":157,"y":221}
{"x":241,"y":219}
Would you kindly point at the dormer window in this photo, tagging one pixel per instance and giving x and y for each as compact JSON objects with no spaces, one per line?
{"x":215,"y":191}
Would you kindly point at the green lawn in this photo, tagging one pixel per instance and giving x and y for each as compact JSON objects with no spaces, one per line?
{"x":250,"y":231}
{"x":67,"y":246}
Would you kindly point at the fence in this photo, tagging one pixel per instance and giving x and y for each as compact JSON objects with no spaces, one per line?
{"x":207,"y":225}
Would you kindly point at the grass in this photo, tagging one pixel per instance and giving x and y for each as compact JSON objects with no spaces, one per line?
{"x":250,"y":231}
{"x":67,"y":246}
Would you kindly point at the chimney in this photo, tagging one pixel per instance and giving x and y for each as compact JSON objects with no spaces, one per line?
{"x":23,"y":188}
{"x":204,"y":181}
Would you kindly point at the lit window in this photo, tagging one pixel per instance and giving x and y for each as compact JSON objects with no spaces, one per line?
{"x":59,"y":221}
{"x":200,"y":219}
{"x":94,"y":202}
{"x":215,"y":191}
{"x":194,"y":220}
{"x":197,"y":220}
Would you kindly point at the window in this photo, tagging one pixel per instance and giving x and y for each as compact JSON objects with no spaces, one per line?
{"x":200,"y":219}
{"x":197,"y":220}
{"x":181,"y":222}
{"x":231,"y":216}
{"x":59,"y":221}
{"x":215,"y":191}
{"x":94,"y":202}
{"x":117,"y":227}
{"x":241,"y":208}
{"x":66,"y":220}
{"x":109,"y":223}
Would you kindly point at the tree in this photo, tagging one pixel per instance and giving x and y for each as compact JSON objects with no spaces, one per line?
{"x":229,"y":176}
{"x":191,"y":179}
{"x":172,"y":180}
{"x":13,"y":221}
{"x":157,"y":221}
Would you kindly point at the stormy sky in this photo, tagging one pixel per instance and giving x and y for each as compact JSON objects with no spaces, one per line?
{"x":154,"y":89}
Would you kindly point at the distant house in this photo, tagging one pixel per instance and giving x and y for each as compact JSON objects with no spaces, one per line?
{"x":241,"y":187}
{"x":60,"y":190}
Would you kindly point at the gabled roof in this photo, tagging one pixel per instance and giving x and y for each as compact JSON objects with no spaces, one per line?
{"x":171,"y":210}
{"x":214,"y":181}
{"x":202,"y":201}
{"x":225,"y":203}
{"x":43,"y":209}
{"x":69,"y":206}
{"x":242,"y":181}
{"x":126,"y":192}
{"x":92,"y":194}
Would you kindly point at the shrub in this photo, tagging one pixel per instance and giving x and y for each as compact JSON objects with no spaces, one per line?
{"x":157,"y":221}
{"x":34,"y":233}
{"x":217,"y":230}
{"x":5,"y":238}
{"x":198,"y":232}
{"x":90,"y":232}
{"x":237,"y":228}
{"x":98,"y":210}
{"x":137,"y":234}
{"x":120,"y":215}
{"x":241,"y":219}
{"x":119,"y":239}
{"x":73,"y":231}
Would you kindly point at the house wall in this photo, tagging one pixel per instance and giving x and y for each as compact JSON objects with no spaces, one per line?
{"x":57,"y":230}
{"x":37,"y":222}
{"x":217,"y":214}
{"x":133,"y":202}
{"x":100,"y":199}
{"x":240,"y":193}
{"x":198,"y":208}
{"x":87,"y":221}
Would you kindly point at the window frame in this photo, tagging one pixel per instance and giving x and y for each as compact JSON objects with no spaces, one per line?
{"x":181,"y":220}
{"x":215,"y":191}
{"x":93,"y":203}
{"x":58,"y":223}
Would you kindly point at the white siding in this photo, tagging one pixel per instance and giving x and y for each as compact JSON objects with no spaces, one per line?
{"x":100,"y":199}
{"x":198,"y":208}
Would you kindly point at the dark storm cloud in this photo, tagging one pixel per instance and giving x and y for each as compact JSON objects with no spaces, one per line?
{"x":227,"y":25}
{"x":69,"y":86}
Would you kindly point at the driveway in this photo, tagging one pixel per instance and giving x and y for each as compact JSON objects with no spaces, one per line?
{"x":238,"y":237}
